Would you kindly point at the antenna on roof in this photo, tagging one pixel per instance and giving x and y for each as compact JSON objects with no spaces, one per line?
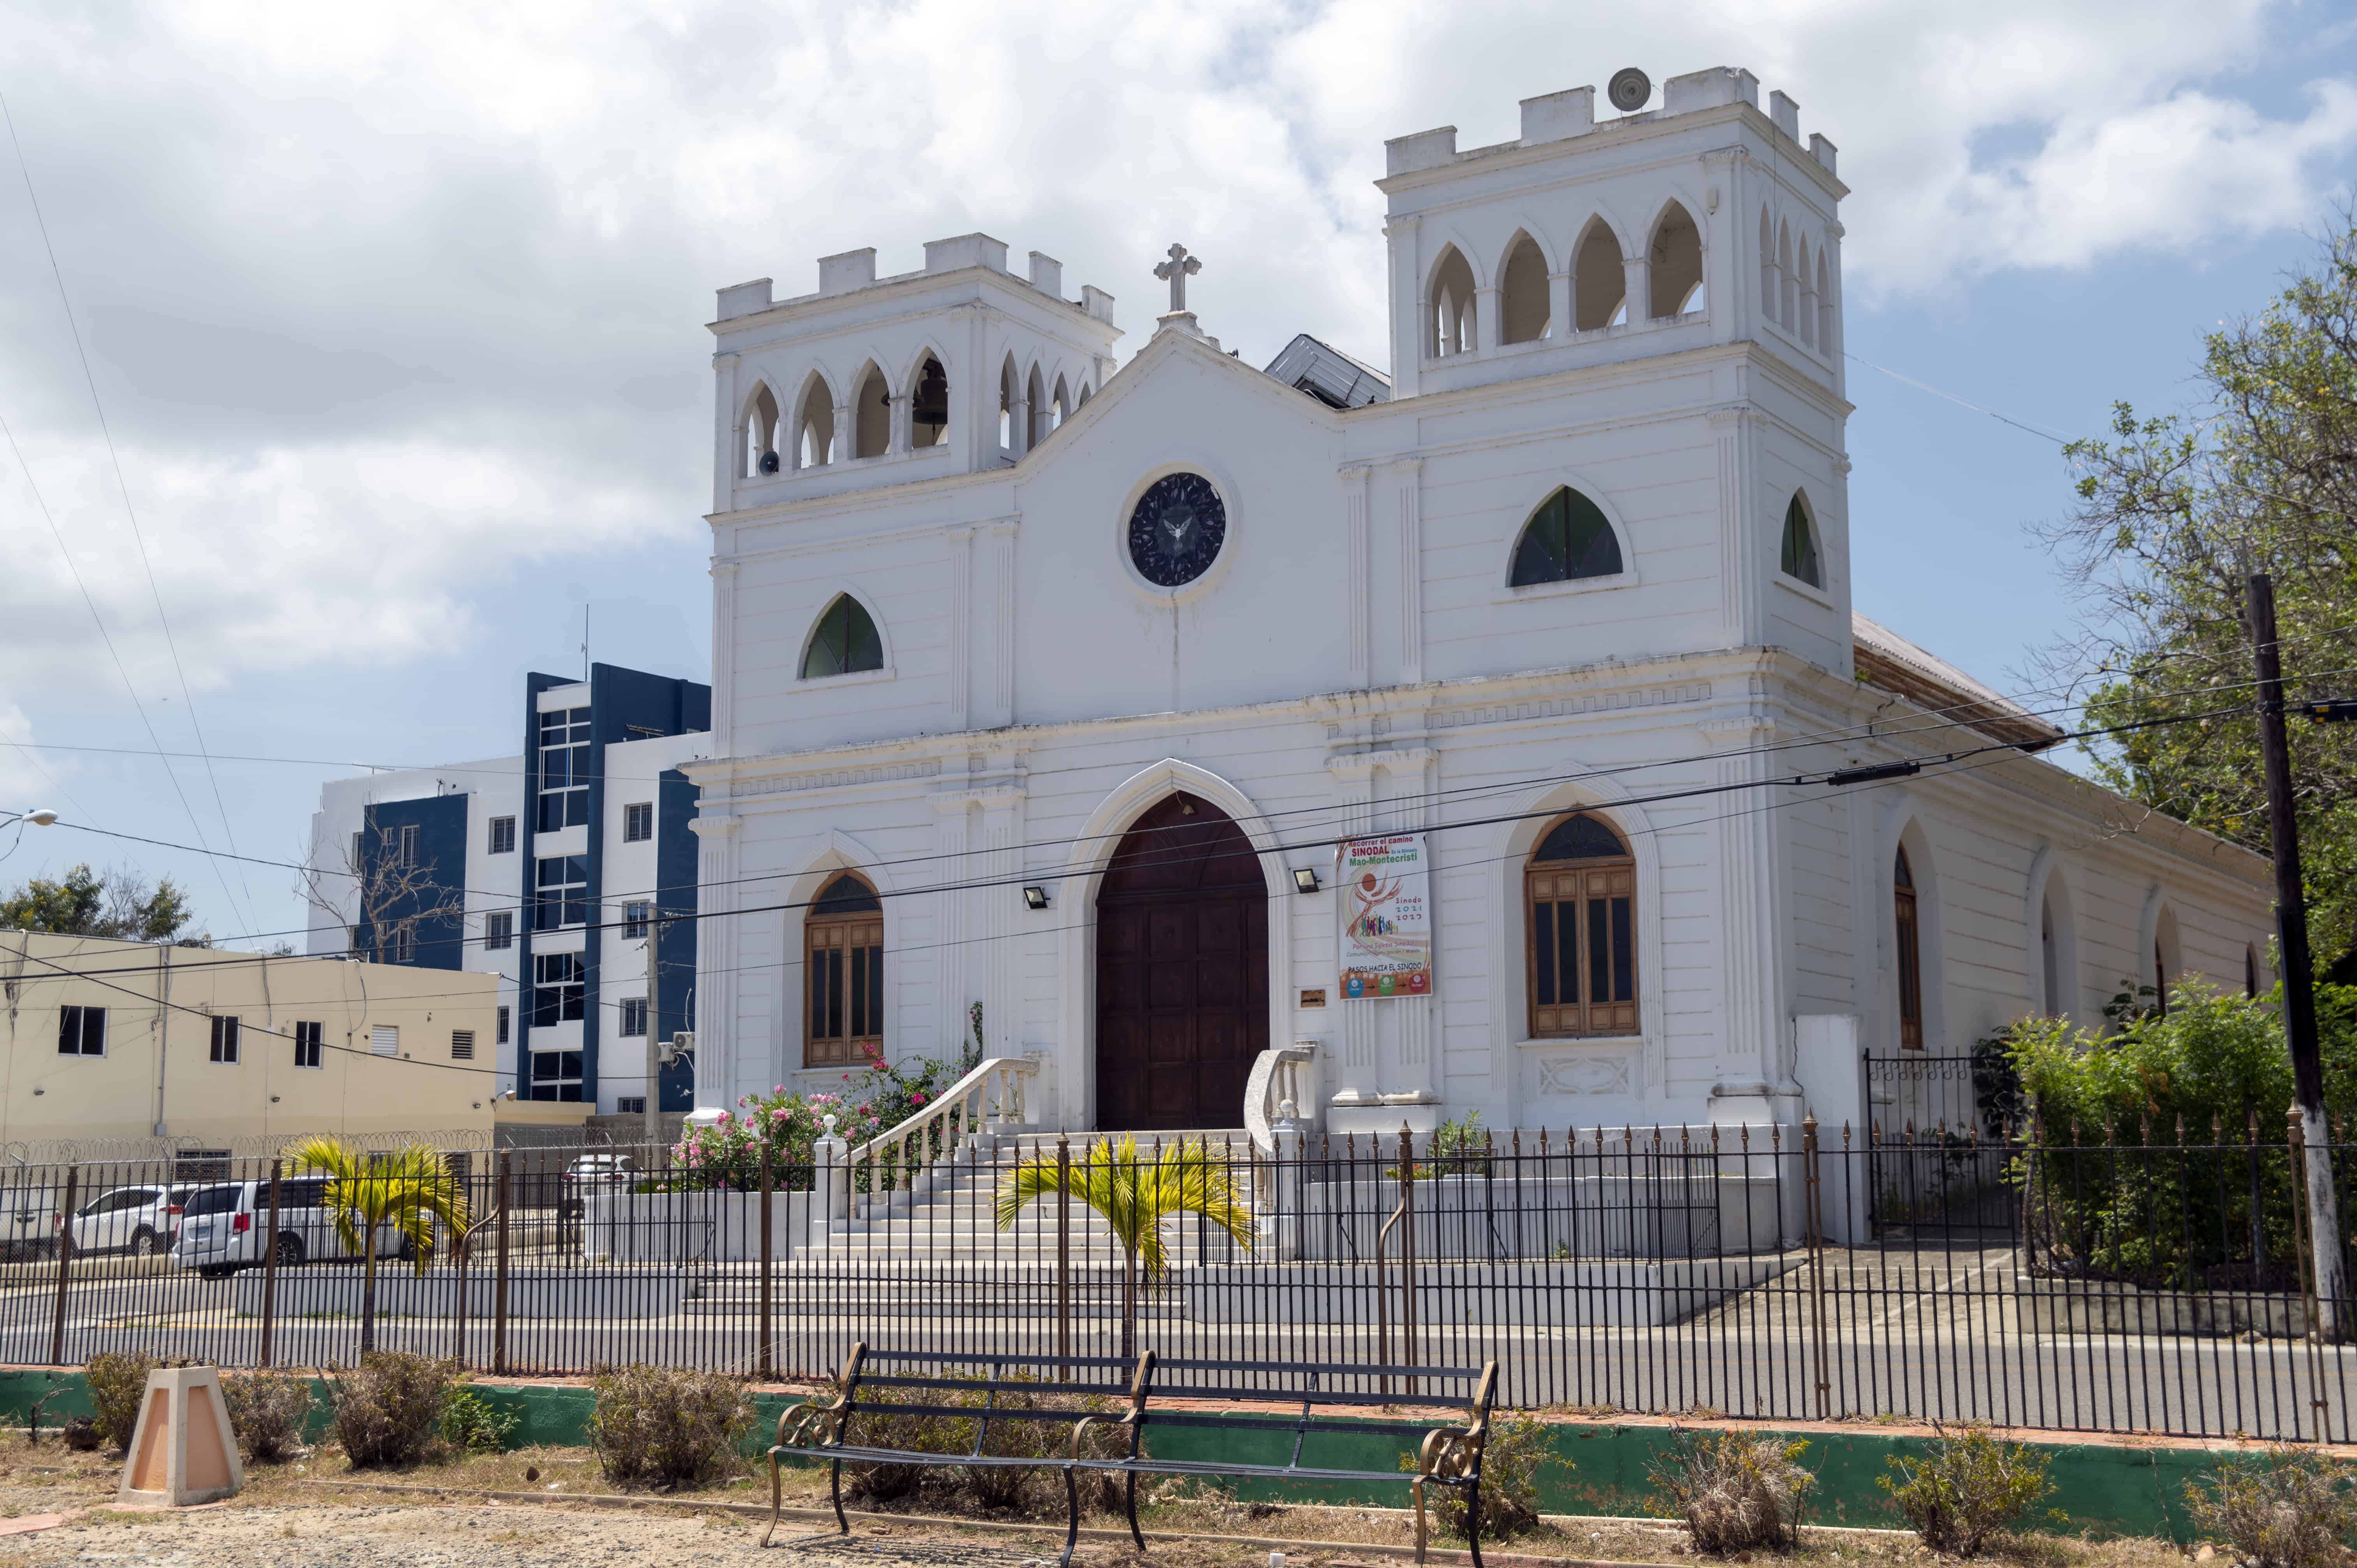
{"x":1628,"y":89}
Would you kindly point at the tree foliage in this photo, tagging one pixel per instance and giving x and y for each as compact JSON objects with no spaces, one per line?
{"x":2174,"y":512}
{"x":118,"y":906}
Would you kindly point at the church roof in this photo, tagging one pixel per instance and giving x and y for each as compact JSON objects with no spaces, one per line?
{"x":1888,"y":660}
{"x":1329,"y":375}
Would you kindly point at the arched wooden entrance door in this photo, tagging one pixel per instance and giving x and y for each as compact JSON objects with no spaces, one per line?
{"x":1182,"y":971}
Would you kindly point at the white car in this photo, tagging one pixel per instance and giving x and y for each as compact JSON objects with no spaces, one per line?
{"x":594,"y":1175}
{"x":29,"y":1221}
{"x":140,"y":1221}
{"x":223,"y":1224}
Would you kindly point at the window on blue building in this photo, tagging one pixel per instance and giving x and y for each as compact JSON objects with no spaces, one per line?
{"x":566,"y":765}
{"x":564,"y":892}
{"x":559,"y":981}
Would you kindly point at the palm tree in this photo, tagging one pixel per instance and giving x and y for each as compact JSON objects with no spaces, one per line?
{"x":407,"y":1189}
{"x":1134,"y":1194}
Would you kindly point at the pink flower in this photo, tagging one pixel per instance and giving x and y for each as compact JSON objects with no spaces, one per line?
{"x":725,"y":1116}
{"x":779,"y":1114}
{"x":780,"y":1089}
{"x":916,"y":1100}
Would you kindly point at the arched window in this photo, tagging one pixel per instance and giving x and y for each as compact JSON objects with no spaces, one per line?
{"x":1579,"y":906}
{"x":2250,"y":971}
{"x":1789,"y":296}
{"x":1566,"y":538}
{"x":1060,"y":409}
{"x":1035,"y":404}
{"x":844,"y":942}
{"x":844,"y":643}
{"x":1824,"y":306}
{"x":1675,"y":262}
{"x":1911,"y":954}
{"x":2050,"y":959}
{"x":871,"y":418}
{"x":1800,"y":559}
{"x":815,"y":426}
{"x":1598,"y":280}
{"x":1008,"y":397}
{"x":1766,"y":268}
{"x":762,"y":433}
{"x":1453,"y":326}
{"x":2159,"y":981}
{"x":1807,"y":325}
{"x":929,"y":405}
{"x":2167,"y":965}
{"x":1523,"y":305}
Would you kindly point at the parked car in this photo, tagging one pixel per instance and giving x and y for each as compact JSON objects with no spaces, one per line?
{"x":593,"y":1176}
{"x":30,"y":1220}
{"x":140,"y":1221}
{"x":221,"y":1227}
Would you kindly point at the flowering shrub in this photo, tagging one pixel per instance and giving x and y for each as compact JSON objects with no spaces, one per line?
{"x":727,"y":1156}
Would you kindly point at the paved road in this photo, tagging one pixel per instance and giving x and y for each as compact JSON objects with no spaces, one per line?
{"x":1924,"y":1335}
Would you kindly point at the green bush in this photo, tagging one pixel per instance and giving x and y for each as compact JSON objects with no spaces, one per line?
{"x":118,"y":1383}
{"x":2146,"y":1167}
{"x":2292,"y":1508}
{"x":388,"y":1411}
{"x":669,"y":1427}
{"x":268,"y":1411}
{"x":471,"y":1425}
{"x":1734,"y":1491}
{"x":1970,"y":1488}
{"x":1515,"y":1455}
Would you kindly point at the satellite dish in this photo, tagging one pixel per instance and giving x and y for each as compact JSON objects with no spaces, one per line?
{"x":1629,"y":90}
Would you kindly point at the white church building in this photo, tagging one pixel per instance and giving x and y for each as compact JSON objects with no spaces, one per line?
{"x":1048,"y":681}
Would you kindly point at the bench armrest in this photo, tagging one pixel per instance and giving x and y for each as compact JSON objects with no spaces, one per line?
{"x":805,"y":1417}
{"x":1450,"y":1451}
{"x":1127,"y":1419}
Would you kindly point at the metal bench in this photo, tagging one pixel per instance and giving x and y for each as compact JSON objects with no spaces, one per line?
{"x":932,"y":1385}
{"x":1188,"y":1392}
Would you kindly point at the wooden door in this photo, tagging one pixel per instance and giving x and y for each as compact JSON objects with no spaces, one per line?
{"x":1182,"y":971}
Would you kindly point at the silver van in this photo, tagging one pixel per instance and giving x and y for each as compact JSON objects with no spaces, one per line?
{"x":221,"y":1227}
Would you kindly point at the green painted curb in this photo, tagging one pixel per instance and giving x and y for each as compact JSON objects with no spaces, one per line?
{"x":2103,"y":1489}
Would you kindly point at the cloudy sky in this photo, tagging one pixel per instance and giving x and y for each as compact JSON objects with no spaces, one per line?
{"x":394,"y":314}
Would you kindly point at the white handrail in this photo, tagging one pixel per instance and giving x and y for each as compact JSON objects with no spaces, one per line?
{"x":964,"y":1105}
{"x":1275,"y":1083}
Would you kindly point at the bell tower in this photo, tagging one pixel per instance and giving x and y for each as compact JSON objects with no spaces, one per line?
{"x":1587,"y":242}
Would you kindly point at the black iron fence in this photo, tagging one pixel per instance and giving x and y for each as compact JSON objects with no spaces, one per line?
{"x":2155,"y":1284}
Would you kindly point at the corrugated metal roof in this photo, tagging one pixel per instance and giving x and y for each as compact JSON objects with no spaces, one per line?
{"x":1888,"y":660}
{"x":1329,"y":375}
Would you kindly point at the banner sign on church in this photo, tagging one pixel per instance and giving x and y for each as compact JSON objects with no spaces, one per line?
{"x":1386,"y":901}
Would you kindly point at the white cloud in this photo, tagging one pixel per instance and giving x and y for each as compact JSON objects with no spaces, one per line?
{"x":380,"y":294}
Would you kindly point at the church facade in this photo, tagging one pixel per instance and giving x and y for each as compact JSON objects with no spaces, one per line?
{"x":1047,"y":683}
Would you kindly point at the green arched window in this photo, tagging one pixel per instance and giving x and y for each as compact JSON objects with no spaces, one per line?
{"x":844,"y":643}
{"x":1566,"y":538}
{"x":1801,"y":559}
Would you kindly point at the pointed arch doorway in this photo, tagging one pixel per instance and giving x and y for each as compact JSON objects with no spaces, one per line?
{"x":1182,"y":971}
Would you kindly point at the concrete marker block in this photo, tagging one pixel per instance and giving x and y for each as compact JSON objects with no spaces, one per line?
{"x":183,"y":1452}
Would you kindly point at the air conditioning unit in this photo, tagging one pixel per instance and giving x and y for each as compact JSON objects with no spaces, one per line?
{"x":683,"y":1043}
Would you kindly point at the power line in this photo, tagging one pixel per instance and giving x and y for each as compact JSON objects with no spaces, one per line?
{"x":25,"y":954}
{"x":1801,"y":779}
{"x":1870,"y":730}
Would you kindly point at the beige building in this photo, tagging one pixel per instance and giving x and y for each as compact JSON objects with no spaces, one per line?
{"x":112,"y":1040}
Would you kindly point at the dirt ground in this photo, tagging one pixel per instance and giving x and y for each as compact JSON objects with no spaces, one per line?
{"x":285,"y":1518}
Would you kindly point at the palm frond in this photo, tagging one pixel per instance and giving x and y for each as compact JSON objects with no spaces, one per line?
{"x":1134,"y":1194}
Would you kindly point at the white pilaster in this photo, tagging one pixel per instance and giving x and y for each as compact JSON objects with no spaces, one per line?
{"x":953,"y":992}
{"x":1740,"y":548}
{"x":720,"y":1073}
{"x":1000,"y":538}
{"x":1637,"y":285}
{"x":1406,"y":479}
{"x":1559,"y":316}
{"x":724,"y":656}
{"x":1409,"y":311}
{"x":960,"y":545}
{"x":728,"y":435}
{"x":1353,"y":477}
{"x":1488,"y":329}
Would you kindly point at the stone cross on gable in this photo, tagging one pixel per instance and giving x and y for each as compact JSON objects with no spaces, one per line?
{"x":1178,"y":270}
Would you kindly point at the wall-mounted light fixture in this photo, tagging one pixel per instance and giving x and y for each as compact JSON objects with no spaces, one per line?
{"x":1304,"y":879}
{"x":1035,"y":897}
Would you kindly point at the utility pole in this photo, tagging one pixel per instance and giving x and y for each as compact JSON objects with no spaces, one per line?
{"x":654,"y":1024}
{"x":2299,"y":970}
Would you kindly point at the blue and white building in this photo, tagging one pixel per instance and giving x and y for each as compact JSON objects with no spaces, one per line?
{"x":548,"y":868}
